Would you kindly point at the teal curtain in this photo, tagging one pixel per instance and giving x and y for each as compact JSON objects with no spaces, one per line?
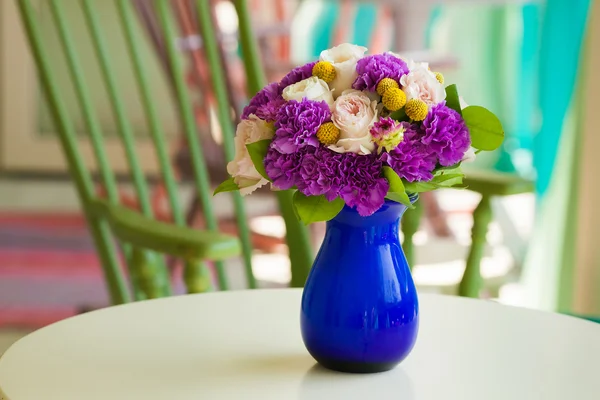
{"x":562,"y":33}
{"x":496,"y":50}
{"x":315,"y":23}
{"x":525,"y":69}
{"x":551,"y":262}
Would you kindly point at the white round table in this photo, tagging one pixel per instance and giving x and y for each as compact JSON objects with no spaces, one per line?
{"x":247,"y":345}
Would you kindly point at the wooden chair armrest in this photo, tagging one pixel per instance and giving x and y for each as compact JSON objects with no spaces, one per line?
{"x":132,"y":227}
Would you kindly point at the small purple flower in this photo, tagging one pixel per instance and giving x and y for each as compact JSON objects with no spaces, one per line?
{"x":446,"y":134}
{"x":387,"y":134}
{"x":297,"y":124}
{"x":372,"y":69}
{"x":264,"y":96}
{"x":412,"y":160}
{"x":319,"y":173}
{"x":296,"y":75}
{"x":363,"y":186}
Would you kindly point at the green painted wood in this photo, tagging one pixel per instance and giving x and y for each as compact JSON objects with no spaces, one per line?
{"x":132,"y":227}
{"x":149,"y":276}
{"x":90,"y":117}
{"x":157,"y":133}
{"x":494,"y":183}
{"x":119,"y":111}
{"x":85,"y":102}
{"x":201,"y":177}
{"x":298,"y":241}
{"x":99,"y":229}
{"x":197,"y":277}
{"x":410,"y":225}
{"x":297,"y":237}
{"x":224,"y":115}
{"x":254,"y":70}
{"x":471,"y":282}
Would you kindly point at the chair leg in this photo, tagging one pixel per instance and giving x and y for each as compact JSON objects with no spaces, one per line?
{"x":197,"y":277}
{"x":410,"y":225}
{"x":471,"y":282}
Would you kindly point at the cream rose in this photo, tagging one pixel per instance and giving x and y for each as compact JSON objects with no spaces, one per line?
{"x":354,"y":113}
{"x":312,"y":88}
{"x":241,"y":167}
{"x":343,"y":58}
{"x":420,"y":83}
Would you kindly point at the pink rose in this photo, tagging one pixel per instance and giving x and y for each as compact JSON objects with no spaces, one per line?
{"x":354,"y":113}
{"x":420,"y":83}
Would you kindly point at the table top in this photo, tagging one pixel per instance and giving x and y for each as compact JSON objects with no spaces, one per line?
{"x":247,"y":345}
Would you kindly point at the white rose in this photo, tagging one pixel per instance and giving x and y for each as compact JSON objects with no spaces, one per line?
{"x":420,"y":83}
{"x":344,"y":58}
{"x":241,"y":167}
{"x":354,"y":113}
{"x":312,"y":88}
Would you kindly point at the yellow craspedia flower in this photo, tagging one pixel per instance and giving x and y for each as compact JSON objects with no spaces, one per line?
{"x":439,"y":77}
{"x":324,"y":70}
{"x":416,"y":109}
{"x":394,"y":99}
{"x":385,"y":84}
{"x":328,"y":133}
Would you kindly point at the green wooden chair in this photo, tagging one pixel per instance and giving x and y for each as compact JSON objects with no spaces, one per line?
{"x":489,"y":184}
{"x":137,"y":238}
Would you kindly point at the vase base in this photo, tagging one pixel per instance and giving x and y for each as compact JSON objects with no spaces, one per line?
{"x":356,"y":367}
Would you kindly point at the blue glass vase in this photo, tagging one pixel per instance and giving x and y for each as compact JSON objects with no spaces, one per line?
{"x":360,"y":311}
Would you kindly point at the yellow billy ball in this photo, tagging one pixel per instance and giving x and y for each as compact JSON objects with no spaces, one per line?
{"x":439,"y":77}
{"x":385,"y":84}
{"x":328,"y":133}
{"x":416,"y":109}
{"x":324,"y":70}
{"x":394,"y":99}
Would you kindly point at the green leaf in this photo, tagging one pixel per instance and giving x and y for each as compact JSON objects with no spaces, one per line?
{"x":258,"y":152}
{"x":443,"y":177}
{"x":447,"y":170}
{"x":448,"y":180}
{"x":485,"y":128}
{"x":419,"y":187}
{"x":396,"y":192}
{"x":316,"y":208}
{"x":452,"y":99}
{"x":226,"y":186}
{"x":400,"y":115}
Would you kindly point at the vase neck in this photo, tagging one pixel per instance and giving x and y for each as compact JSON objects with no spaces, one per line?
{"x":389,"y":213}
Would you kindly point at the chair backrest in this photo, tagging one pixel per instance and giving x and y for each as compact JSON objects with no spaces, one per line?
{"x":147,"y":270}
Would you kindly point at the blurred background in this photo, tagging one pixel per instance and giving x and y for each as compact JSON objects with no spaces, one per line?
{"x":530,"y":62}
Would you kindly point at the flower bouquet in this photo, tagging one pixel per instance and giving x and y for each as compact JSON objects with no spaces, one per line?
{"x":354,"y":129}
{"x":358,"y":137}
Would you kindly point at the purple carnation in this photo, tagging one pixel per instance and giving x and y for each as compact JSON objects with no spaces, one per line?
{"x":283,"y":169}
{"x":363,"y":186}
{"x":264,"y":96}
{"x":297,"y":124}
{"x":412,"y":160}
{"x":319,"y":173}
{"x":296,"y":75}
{"x":372,"y":69}
{"x":446,"y":133}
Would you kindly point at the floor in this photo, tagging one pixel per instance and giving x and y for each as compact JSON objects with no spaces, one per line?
{"x":439,"y":265}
